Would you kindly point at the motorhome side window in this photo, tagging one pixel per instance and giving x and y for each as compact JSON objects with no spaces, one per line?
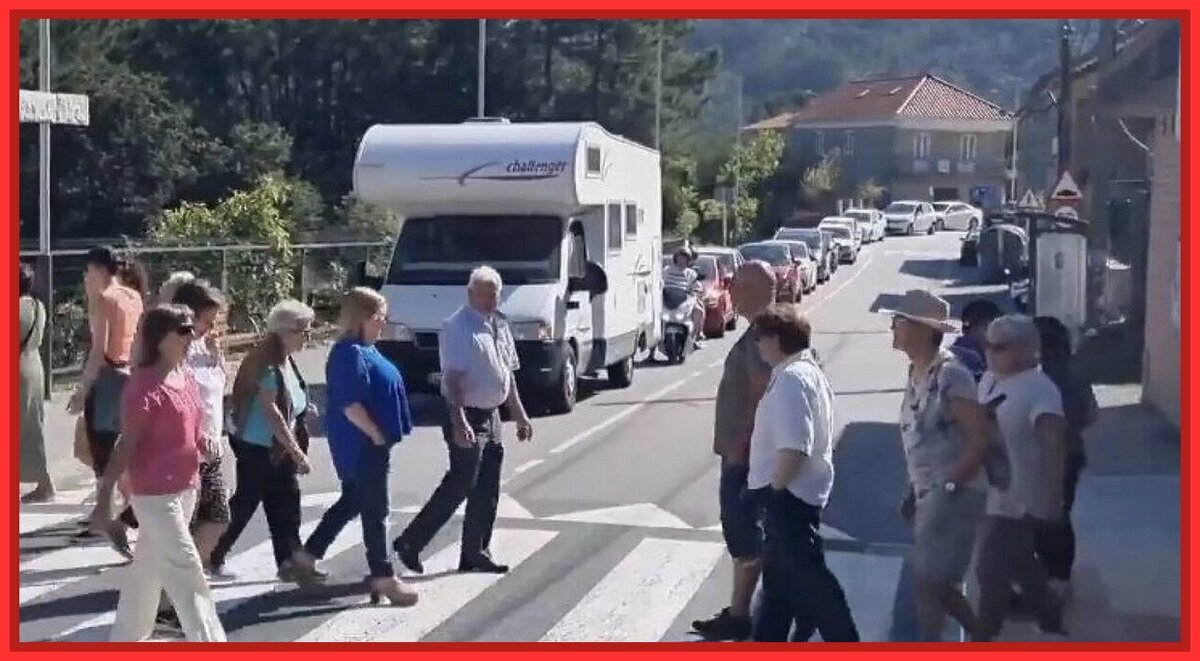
{"x":594,"y":161}
{"x":615,"y":227}
{"x":631,"y":220}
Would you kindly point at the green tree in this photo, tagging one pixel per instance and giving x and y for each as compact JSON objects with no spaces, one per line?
{"x":748,"y":169}
{"x":820,"y":183}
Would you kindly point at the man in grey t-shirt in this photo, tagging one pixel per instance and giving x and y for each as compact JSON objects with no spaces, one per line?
{"x":944,"y":432}
{"x":743,"y":382}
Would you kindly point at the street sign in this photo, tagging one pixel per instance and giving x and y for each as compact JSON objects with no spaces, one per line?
{"x":1066,"y":190}
{"x":1068,"y":213}
{"x":1029,"y":200}
{"x":50,"y":108}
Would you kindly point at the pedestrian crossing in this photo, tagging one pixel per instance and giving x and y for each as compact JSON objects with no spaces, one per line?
{"x":572,"y":579}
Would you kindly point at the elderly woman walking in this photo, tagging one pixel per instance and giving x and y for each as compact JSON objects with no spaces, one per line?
{"x":1028,"y":414}
{"x":160,"y":446}
{"x":368,"y":415}
{"x":32,"y":394}
{"x":270,"y":439}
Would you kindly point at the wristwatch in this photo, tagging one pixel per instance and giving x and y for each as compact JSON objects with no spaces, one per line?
{"x":950,"y":486}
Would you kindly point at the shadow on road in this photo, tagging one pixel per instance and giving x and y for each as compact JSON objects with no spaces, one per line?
{"x":870,"y":479}
{"x":940,"y":269}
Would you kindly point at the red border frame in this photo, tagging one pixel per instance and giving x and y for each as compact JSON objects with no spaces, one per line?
{"x":609,"y":9}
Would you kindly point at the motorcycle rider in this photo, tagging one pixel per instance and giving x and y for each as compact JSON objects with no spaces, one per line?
{"x":679,"y":275}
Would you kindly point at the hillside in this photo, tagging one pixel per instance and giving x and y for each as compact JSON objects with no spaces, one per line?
{"x":778,"y":59}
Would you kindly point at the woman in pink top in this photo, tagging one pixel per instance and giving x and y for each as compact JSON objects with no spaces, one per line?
{"x":161,"y":447}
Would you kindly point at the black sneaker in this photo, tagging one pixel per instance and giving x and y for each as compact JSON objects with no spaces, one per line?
{"x":408,"y":557}
{"x":724,"y":627}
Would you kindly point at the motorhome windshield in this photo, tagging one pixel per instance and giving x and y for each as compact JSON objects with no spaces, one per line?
{"x":443,"y":250}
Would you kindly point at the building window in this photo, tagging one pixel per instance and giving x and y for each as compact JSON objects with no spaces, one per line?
{"x":631,"y":220}
{"x":967,"y":145}
{"x":819,"y":138}
{"x":849,"y":143}
{"x":921,"y":142}
{"x":615,"y":227}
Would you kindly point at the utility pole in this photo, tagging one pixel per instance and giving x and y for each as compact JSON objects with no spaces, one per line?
{"x":1065,"y":101}
{"x":480,"y":105}
{"x":658,"y":91}
{"x":1012,"y":190}
{"x":45,"y":270}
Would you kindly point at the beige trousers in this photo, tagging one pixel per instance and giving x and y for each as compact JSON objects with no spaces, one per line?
{"x":166,"y":558}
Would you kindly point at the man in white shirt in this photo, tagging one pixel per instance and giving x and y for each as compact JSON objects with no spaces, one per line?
{"x":791,"y":470}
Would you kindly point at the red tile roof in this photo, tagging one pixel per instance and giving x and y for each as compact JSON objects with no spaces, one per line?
{"x":885,"y":99}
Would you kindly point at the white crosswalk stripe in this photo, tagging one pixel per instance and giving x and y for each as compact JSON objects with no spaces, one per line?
{"x":633,"y":589}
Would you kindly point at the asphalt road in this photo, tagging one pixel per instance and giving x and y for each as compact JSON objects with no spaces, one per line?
{"x":608,"y":516}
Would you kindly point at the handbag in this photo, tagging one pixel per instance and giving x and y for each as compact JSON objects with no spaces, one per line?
{"x":277,"y":454}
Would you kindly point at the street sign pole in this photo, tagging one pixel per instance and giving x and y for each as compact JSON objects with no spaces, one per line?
{"x":44,"y":108}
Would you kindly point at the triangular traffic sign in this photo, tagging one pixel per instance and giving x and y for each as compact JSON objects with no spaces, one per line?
{"x":1029,"y":200}
{"x":1066,"y":189}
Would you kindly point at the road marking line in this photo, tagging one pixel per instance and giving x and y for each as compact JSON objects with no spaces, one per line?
{"x":526,"y":466}
{"x":639,"y":599}
{"x":256,"y":576}
{"x":586,"y":434}
{"x":862,"y":269}
{"x":640,"y":515}
{"x":96,"y":558}
{"x":439,"y":600}
{"x":31,"y":521}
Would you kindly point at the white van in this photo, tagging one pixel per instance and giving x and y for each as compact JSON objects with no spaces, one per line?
{"x":569,"y":214}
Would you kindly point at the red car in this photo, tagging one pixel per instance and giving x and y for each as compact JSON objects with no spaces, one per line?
{"x":779,"y":257}
{"x":718,"y":305}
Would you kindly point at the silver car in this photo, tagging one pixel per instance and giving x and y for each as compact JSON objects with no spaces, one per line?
{"x":910,"y":217}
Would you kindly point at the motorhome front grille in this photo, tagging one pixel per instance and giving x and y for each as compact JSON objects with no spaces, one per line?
{"x":427,"y":340}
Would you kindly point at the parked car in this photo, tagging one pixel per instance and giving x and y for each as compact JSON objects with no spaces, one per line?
{"x":856,"y":229}
{"x":779,"y":258}
{"x":875,"y":227}
{"x":958,"y":216}
{"x":910,"y":217}
{"x":807,"y":263}
{"x":729,"y":258}
{"x":843,"y":238}
{"x":716,"y":281}
{"x":820,"y":248}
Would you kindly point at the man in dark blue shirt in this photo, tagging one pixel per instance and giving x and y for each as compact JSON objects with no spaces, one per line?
{"x":968,"y":348}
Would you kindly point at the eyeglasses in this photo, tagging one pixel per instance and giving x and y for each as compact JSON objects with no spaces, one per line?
{"x":186,"y":330}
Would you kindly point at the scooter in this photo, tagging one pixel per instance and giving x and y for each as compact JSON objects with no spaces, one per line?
{"x":678,"y":329}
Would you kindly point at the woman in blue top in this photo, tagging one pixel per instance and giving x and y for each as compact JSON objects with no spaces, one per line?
{"x":270,"y":440}
{"x":367,"y":414}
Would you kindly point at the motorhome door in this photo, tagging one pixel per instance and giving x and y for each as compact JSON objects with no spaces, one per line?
{"x":579,"y":324}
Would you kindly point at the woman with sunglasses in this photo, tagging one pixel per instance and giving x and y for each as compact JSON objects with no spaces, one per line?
{"x":160,"y":447}
{"x":368,"y":415}
{"x":270,"y":440}
{"x":1028,"y":417}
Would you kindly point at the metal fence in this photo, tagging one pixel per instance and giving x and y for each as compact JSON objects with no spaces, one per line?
{"x":319,"y":272}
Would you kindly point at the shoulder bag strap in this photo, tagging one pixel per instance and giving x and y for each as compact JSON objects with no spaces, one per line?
{"x":37,"y":314}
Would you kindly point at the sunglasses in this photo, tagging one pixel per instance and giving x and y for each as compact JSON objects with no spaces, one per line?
{"x":187,"y":330}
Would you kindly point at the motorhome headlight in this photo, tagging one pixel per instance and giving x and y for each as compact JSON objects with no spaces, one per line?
{"x":531,"y":331}
{"x":398,"y":333}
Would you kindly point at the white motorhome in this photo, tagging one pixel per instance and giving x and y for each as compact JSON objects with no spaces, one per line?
{"x":569,"y":214}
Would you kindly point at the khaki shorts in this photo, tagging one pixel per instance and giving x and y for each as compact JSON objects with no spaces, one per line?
{"x":945,"y":527}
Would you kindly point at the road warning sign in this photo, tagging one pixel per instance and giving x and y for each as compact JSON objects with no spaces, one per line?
{"x":1066,"y":190}
{"x":1029,"y":200}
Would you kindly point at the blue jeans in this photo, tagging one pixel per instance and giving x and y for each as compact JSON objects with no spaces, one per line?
{"x":364,"y":495}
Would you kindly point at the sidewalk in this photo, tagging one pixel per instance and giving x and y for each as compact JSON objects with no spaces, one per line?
{"x":68,"y":473}
{"x":1127,"y":520}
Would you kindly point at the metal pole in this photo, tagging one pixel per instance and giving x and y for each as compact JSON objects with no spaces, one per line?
{"x":1012,"y":189}
{"x":45,"y":260}
{"x":480,"y":106}
{"x":658,"y":91}
{"x":1065,"y":98}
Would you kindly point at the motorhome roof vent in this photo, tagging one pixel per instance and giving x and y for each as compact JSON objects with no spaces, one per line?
{"x":487,"y":120}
